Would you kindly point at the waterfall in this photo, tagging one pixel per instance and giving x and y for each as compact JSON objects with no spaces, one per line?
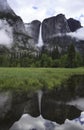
{"x":40,"y":93}
{"x":40,"y":40}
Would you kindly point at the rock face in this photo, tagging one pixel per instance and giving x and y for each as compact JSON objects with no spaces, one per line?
{"x":54,"y":26}
{"x":26,"y":36}
{"x":55,"y":32}
{"x":19,"y":36}
{"x":33,"y":29}
{"x":4,"y":7}
{"x":73,"y":24}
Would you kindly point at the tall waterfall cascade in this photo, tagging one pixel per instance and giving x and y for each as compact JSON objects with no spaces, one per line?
{"x":40,"y":40}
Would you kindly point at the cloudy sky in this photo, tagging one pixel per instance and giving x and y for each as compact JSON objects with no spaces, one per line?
{"x":39,"y":9}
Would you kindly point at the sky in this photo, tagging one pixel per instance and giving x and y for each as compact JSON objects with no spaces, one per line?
{"x":30,"y":10}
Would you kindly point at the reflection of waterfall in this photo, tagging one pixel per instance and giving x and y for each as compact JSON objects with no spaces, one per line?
{"x":40,"y":41}
{"x":40,"y":93}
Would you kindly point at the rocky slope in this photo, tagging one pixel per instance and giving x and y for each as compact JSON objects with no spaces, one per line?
{"x":16,"y":25}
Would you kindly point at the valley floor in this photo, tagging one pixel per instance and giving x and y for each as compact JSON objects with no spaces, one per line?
{"x":35,"y":78}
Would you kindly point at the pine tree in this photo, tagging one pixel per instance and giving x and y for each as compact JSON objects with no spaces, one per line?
{"x":71,"y":55}
{"x":55,"y":53}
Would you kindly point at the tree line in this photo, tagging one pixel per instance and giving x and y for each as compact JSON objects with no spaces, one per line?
{"x":69,"y":59}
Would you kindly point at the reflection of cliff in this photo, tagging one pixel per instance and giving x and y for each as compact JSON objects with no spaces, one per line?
{"x":14,"y":104}
{"x":54,"y":104}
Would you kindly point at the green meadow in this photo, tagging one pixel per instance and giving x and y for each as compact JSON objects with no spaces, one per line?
{"x":35,"y":78}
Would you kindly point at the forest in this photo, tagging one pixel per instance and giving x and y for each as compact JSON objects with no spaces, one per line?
{"x":55,"y":58}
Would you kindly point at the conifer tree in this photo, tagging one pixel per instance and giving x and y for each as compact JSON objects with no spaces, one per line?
{"x":71,"y":55}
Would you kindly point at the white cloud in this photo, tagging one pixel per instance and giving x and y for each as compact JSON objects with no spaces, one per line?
{"x":47,"y":8}
{"x":79,"y":34}
{"x":6,"y":37}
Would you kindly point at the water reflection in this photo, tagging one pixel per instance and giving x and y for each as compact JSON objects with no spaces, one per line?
{"x":28,"y":122}
{"x":57,"y":105}
{"x":78,"y":103}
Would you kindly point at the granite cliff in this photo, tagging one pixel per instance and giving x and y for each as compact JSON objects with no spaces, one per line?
{"x":15,"y":23}
{"x":54,"y":26}
{"x":58,"y":31}
{"x":73,"y":24}
{"x":33,"y":29}
{"x":55,"y":31}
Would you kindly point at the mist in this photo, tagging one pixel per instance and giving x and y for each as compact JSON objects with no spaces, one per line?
{"x":79,"y":34}
{"x":6,"y":35}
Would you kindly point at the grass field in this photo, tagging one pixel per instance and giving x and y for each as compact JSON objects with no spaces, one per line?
{"x":35,"y":78}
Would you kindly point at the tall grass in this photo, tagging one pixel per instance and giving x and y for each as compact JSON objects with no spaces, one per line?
{"x":35,"y":78}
